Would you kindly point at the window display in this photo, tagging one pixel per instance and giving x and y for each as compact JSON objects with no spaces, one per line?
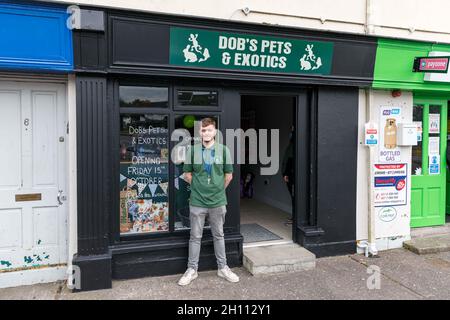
{"x":144,"y":173}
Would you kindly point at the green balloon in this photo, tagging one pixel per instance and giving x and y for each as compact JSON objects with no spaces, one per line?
{"x":188,"y":121}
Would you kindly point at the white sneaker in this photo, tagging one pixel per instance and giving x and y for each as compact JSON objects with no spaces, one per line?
{"x":188,"y":277}
{"x":227,"y":274}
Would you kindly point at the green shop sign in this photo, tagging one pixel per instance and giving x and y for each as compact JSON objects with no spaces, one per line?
{"x":214,"y":49}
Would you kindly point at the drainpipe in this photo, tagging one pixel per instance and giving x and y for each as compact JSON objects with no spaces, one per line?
{"x":369,"y":246}
{"x":370,"y":25}
{"x":372,"y":249}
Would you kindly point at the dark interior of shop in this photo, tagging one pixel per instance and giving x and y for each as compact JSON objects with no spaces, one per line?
{"x":265,"y":203}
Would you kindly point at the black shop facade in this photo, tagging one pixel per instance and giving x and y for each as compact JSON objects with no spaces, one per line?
{"x":140,"y":77}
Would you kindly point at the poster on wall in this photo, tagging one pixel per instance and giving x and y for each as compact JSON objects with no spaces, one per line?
{"x":390,"y":185}
{"x":144,"y":172}
{"x":389,"y":152}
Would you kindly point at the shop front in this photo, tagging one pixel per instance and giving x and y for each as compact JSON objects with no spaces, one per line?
{"x":421,"y":70}
{"x":142,"y":81}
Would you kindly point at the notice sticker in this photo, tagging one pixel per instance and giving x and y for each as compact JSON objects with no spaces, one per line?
{"x":433,"y":122}
{"x":433,"y":145}
{"x":390,"y":185}
{"x":371,"y":134}
{"x":433,"y":164}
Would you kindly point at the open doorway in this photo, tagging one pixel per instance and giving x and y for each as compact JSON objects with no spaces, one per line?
{"x":266,"y":206}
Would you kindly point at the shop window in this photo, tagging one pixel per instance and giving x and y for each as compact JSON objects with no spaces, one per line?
{"x":182,"y":188}
{"x":143,"y":97}
{"x":417,"y":150}
{"x":197,"y":98}
{"x":144,"y":173}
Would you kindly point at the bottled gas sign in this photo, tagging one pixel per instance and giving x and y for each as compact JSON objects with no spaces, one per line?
{"x":216,"y":49}
{"x":389,"y":152}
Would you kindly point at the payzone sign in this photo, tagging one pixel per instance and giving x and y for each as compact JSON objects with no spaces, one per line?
{"x":215,"y":49}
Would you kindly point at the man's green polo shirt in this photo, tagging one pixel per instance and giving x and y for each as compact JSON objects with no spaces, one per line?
{"x":204,"y":194}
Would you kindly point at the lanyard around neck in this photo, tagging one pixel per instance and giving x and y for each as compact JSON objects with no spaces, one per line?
{"x":207,"y":163}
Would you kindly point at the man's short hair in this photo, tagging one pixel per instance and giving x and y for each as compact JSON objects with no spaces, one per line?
{"x":208,"y":121}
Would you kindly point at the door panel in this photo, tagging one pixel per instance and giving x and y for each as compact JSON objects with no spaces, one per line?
{"x":10,"y":166}
{"x":44,"y":139}
{"x":417,"y":203}
{"x":434,"y":204}
{"x":33,"y":134}
{"x":428,"y":188}
{"x":10,"y":231}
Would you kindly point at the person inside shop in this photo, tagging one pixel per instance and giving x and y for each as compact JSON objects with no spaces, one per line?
{"x":208,"y":169}
{"x":288,"y":169}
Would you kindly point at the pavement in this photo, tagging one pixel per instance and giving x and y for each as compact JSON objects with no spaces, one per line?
{"x":395,"y":274}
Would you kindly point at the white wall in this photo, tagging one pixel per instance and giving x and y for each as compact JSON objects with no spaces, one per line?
{"x":425,"y":20}
{"x":389,"y":234}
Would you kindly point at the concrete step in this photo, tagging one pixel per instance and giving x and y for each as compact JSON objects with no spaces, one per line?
{"x":424,"y":232}
{"x":278,"y":259}
{"x":431,"y":244}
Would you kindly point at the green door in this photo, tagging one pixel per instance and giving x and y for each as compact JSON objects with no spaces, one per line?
{"x":447,"y":209}
{"x":428,"y":172}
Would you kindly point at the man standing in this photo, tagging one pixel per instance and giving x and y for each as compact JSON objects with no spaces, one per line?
{"x":208,"y":169}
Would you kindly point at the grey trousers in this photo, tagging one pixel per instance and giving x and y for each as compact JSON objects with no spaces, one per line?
{"x":216,"y":218}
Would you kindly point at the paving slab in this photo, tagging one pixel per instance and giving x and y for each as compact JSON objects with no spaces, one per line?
{"x":425,"y":275}
{"x":43,"y":291}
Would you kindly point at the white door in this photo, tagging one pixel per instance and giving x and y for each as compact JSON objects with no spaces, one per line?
{"x":32,"y":179}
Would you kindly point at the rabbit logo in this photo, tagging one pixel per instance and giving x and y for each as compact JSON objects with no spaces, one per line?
{"x":194,"y":52}
{"x":309,"y":61}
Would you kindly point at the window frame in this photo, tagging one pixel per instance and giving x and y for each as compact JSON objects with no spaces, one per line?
{"x":426,"y":103}
{"x":143,"y":85}
{"x":422,"y":142}
{"x":179,"y":107}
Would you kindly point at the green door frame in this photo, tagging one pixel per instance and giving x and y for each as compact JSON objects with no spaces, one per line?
{"x":428,"y":192}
